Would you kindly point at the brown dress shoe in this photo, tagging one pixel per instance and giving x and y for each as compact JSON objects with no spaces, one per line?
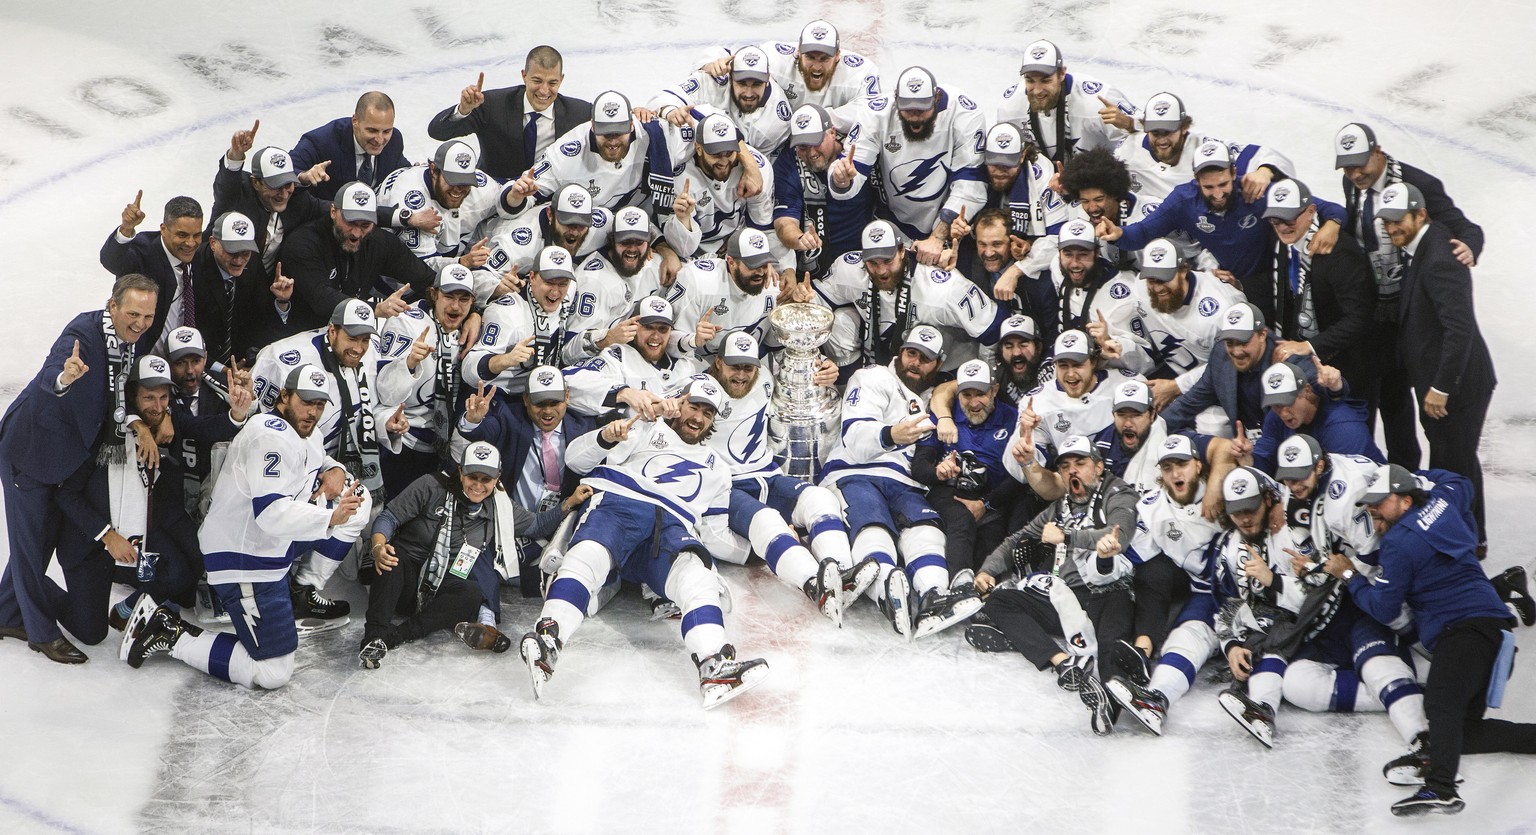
{"x":17,"y":632}
{"x":60,"y":650}
{"x":482,"y":636}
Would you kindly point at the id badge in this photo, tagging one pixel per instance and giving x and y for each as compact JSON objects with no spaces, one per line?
{"x":464,"y":561}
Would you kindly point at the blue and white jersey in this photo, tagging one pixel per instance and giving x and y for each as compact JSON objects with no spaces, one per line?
{"x":1177,"y":531}
{"x":619,"y":367}
{"x":875,"y":398}
{"x":1179,"y":342}
{"x":261,"y":506}
{"x":510,"y":320}
{"x":653,"y":465}
{"x":855,"y":79}
{"x":741,"y":430}
{"x":601,"y":296}
{"x":572,"y":159}
{"x":423,"y":402}
{"x":410,"y":189}
{"x":766,"y":127}
{"x":1084,"y":129}
{"x":1152,"y":181}
{"x":515,"y":246}
{"x":1062,"y":416}
{"x":704,"y":285}
{"x":719,"y":212}
{"x":1334,"y":522}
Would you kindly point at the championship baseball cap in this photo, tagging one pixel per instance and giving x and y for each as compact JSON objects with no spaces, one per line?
{"x":457,"y":160}
{"x":152,"y":372}
{"x":1398,"y":200}
{"x":554,"y":264}
{"x":926,"y":340}
{"x":1352,"y":145}
{"x":355,"y":317}
{"x":1077,"y":233}
{"x":1072,"y":345}
{"x":1296,"y":457}
{"x":1079,"y":445}
{"x":310,"y":382}
{"x":546,"y":384}
{"x":1242,"y":489}
{"x":1160,"y":260}
{"x":273,"y":167}
{"x":809,"y":124}
{"x":235,"y":232}
{"x":879,"y":240}
{"x":705,"y":391}
{"x":611,"y":114}
{"x":654,"y":309}
{"x":1004,"y":144}
{"x":185,"y":340}
{"x":1019,"y":325}
{"x":573,"y":205}
{"x":357,"y":203}
{"x":455,"y":278}
{"x":1133,"y":394}
{"x":1176,"y":448}
{"x":1282,"y":382}
{"x":1389,"y":480}
{"x":740,"y":348}
{"x":481,"y":458}
{"x":819,"y":36}
{"x":1041,"y":56}
{"x":749,"y":246}
{"x":1241,"y":320}
{"x":915,"y":89}
{"x":750,"y":64}
{"x":716,"y":133}
{"x":1165,"y":111}
{"x":973,"y":375}
{"x":1286,"y":200}
{"x":1212,"y":154}
{"x":631,"y":223}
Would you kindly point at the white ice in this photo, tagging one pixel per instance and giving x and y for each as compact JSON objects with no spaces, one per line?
{"x":854,"y":731}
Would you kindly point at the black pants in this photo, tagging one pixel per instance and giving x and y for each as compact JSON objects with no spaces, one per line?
{"x":1454,"y":699}
{"x":399,"y":470}
{"x":1031,"y":624}
{"x":1453,"y":442}
{"x":394,"y":593}
{"x":1162,"y":589}
{"x":1386,"y":391}
{"x":967,"y":542}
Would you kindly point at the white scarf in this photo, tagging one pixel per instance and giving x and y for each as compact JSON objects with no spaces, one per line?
{"x":128,"y":490}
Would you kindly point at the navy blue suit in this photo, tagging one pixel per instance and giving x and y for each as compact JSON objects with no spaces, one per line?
{"x":1340,"y":426}
{"x":144,"y":254}
{"x":333,"y":141}
{"x":508,"y":428}
{"x":44,"y":439}
{"x":1218,"y":386}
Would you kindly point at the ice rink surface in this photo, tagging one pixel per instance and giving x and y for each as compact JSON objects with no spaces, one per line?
{"x":854,"y":731}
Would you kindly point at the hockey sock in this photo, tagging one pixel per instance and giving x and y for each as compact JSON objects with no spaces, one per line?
{"x":922,"y":547}
{"x":696,"y":590}
{"x":875,"y":541}
{"x":1389,"y":679}
{"x":820,"y":513}
{"x":582,"y":571}
{"x":772,"y":537}
{"x":1267,"y":683}
{"x":1187,"y":647}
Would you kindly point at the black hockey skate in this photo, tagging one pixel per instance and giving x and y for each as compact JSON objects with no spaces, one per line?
{"x":1427,"y":801}
{"x":722,"y":677}
{"x":158,"y":635}
{"x":1256,"y":718}
{"x":482,"y":636}
{"x":858,"y":579}
{"x":308,"y":603}
{"x":1075,"y":675}
{"x":896,"y":603}
{"x":143,"y":611}
{"x":826,"y":591}
{"x":1130,"y":661}
{"x":939,"y":611}
{"x":1411,"y":768}
{"x":372,"y":653}
{"x":540,"y":650}
{"x":1516,"y":594}
{"x":1150,"y":707}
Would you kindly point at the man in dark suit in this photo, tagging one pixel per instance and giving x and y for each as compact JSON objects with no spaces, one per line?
{"x":239,"y":309}
{"x":1441,"y":347}
{"x":365,"y":147}
{"x":268,"y":195}
{"x":1368,"y":171}
{"x":165,"y":256}
{"x":1232,"y":378}
{"x":532,"y":436}
{"x":514,"y":124}
{"x":53,"y":427}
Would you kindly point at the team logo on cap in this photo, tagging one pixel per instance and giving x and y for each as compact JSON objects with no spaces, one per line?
{"x":240,"y":227}
{"x":157,"y":365}
{"x":1037,"y":53}
{"x":1130,"y":390}
{"x":1208,"y":149}
{"x":877,"y":234}
{"x":1002,"y":140}
{"x":1161,"y":108}
{"x":1077,"y":227}
{"x":915,"y":83}
{"x":277,"y":160}
{"x":970,"y":371}
{"x":482,"y":453}
{"x":756,"y":241}
{"x":1069,"y":340}
{"x":360,"y":196}
{"x":1347,"y":141}
{"x":1240,"y":486}
{"x":820,"y":33}
{"x":658,"y":304}
{"x":1172,"y":443}
{"x":183,"y":336}
{"x":463,"y":159}
{"x":458,"y":272}
{"x":575,"y":198}
{"x":1156,"y":255}
{"x":546,"y":378}
{"x":926,"y":335}
{"x":1275,"y":380}
{"x":750,"y":58}
{"x":557,"y":257}
{"x":743,"y":344}
{"x":803,"y":121}
{"x":1235,"y":316}
{"x":361,"y":311}
{"x":1290,"y":454}
{"x":317,"y":379}
{"x":611,"y":109}
{"x":721,"y":128}
{"x":1280,"y":193}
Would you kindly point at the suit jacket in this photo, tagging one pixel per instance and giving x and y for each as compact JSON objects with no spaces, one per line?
{"x":145,"y":255}
{"x":1216,"y":387}
{"x":1439,"y":341}
{"x":48,"y":436}
{"x":323,"y":275}
{"x":333,"y":141}
{"x":498,"y":122}
{"x":508,"y":428}
{"x":1441,"y":208}
{"x":1344,"y":296}
{"x":232,"y":192}
{"x":251,"y":312}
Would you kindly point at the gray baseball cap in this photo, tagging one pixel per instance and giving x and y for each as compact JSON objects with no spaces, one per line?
{"x":1296,"y":457}
{"x":1352,"y":145}
{"x":1389,"y":480}
{"x":310,"y":383}
{"x":1243,"y":489}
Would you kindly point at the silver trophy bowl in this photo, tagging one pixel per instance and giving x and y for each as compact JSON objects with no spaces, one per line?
{"x":803,"y":417}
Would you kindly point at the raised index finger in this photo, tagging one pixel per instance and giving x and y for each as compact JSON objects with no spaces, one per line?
{"x":138,"y":198}
{"x":254,"y":127}
{"x":76,"y":354}
{"x":423,"y":336}
{"x":480,"y":82}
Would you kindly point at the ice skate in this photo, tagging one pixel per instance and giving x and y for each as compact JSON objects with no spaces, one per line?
{"x":1130,"y":661}
{"x":859,"y":578}
{"x":1427,"y":801}
{"x":1256,"y":718}
{"x":896,"y":603}
{"x":722,"y":677}
{"x":142,"y":611}
{"x":540,"y":650}
{"x":1150,"y":707}
{"x":939,"y":611}
{"x":826,"y":591}
{"x":159,"y":634}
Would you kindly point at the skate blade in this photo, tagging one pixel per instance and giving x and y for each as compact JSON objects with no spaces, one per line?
{"x":315,"y":626}
{"x":136,"y":620}
{"x":833,"y":605}
{"x":716,"y":695}
{"x":1235,"y":709}
{"x":861,"y":583}
{"x":1121,"y":694}
{"x":531,"y":648}
{"x":927,"y":625}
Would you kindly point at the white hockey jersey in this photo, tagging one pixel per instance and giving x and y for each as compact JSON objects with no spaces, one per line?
{"x":428,"y":410}
{"x":602,"y":296}
{"x":653,"y":465}
{"x":1153,"y":181}
{"x":741,"y":430}
{"x":855,"y":81}
{"x":1080,"y":105}
{"x":1335,"y":523}
{"x":1180,"y":341}
{"x":516,"y":244}
{"x":1246,"y":606}
{"x":1061,"y":416}
{"x":510,"y":320}
{"x":411,"y":189}
{"x":619,"y":367}
{"x":875,"y":398}
{"x":919,"y":178}
{"x":719,"y":212}
{"x":704,"y":285}
{"x":261,"y":502}
{"x":765,"y":128}
{"x":572,"y":159}
{"x":1178,"y":531}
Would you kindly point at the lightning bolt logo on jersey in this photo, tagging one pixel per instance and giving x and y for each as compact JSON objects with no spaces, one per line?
{"x":653,"y":465}
{"x":741,"y":431}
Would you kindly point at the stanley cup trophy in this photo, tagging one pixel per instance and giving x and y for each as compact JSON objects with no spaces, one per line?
{"x":803,"y":417}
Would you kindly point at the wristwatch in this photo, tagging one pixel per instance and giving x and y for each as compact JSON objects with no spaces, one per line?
{"x":1349,"y":574}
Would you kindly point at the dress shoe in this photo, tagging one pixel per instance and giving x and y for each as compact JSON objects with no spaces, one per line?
{"x":60,"y":650}
{"x":17,"y":632}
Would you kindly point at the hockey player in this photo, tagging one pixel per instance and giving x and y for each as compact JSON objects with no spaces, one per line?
{"x":881,"y":293}
{"x":707,"y":207}
{"x":1068,"y":291}
{"x":805,"y":218}
{"x":1065,"y":114}
{"x":527,"y":329}
{"x":1251,"y":588}
{"x":278,"y":495}
{"x":748,"y":97}
{"x":617,"y":158}
{"x":884,"y":414}
{"x":765,"y":501}
{"x":734,"y":295}
{"x":1061,"y":618}
{"x":819,"y":71}
{"x":640,"y":375}
{"x":423,"y":345}
{"x":613,"y":280}
{"x":570,"y":221}
{"x":1018,"y":183}
{"x":462,"y":197}
{"x":1097,"y":185}
{"x":1229,"y":392}
{"x":927,"y":145}
{"x":1303,"y":396}
{"x":1132,"y":443}
{"x":654,"y":483}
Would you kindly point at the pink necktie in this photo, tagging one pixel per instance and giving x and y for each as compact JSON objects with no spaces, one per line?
{"x":551,"y":464}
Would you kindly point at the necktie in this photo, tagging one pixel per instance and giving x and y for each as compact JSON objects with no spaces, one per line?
{"x":365,"y":173}
{"x":531,"y":137}
{"x":225,"y":345}
{"x":188,"y":308}
{"x":1295,"y":270}
{"x":1368,"y":222}
{"x":551,"y":464}
{"x":274,"y":237}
